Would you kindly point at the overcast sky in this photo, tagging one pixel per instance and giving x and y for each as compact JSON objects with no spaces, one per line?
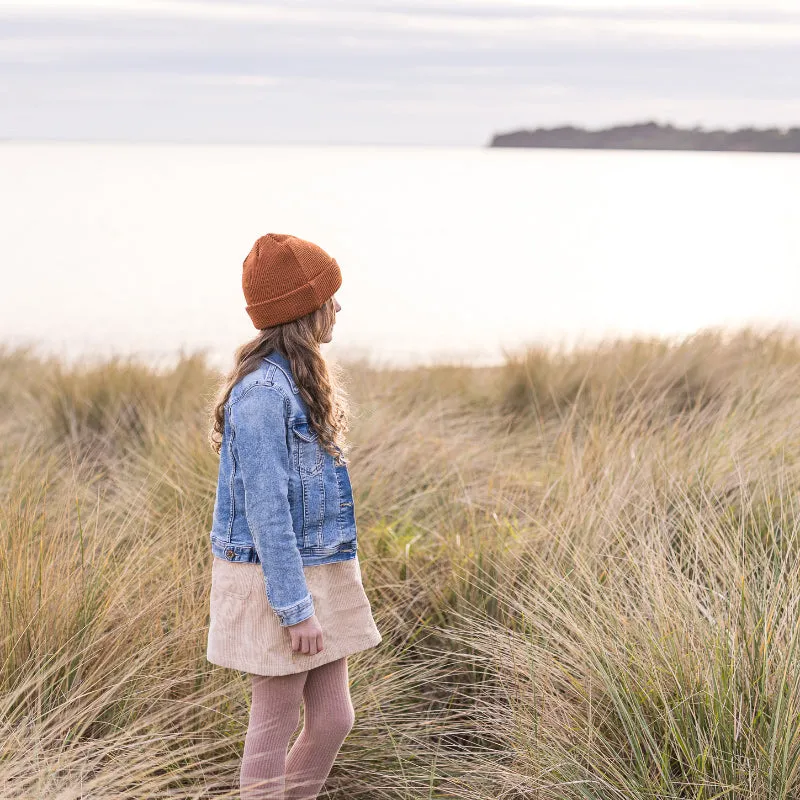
{"x":389,"y":71}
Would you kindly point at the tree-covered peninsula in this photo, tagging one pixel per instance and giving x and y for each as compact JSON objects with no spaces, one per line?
{"x":654,"y":136}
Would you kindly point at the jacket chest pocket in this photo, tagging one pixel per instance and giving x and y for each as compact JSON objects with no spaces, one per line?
{"x":309,"y":453}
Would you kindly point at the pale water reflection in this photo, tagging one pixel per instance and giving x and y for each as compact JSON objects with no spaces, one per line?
{"x":445,"y":251}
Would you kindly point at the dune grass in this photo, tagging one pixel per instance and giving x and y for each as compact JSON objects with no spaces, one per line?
{"x":584,"y":565}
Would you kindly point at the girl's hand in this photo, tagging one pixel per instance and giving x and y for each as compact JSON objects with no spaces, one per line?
{"x":306,"y":636}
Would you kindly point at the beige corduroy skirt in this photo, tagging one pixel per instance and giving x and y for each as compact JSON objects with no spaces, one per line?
{"x":245,"y":634}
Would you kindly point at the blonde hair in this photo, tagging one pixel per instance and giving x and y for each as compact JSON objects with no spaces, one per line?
{"x":319,"y":383}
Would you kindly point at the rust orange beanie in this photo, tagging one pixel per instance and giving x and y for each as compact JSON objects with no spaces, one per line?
{"x":285,"y":277}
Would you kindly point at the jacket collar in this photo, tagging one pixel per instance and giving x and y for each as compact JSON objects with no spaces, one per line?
{"x":276,"y":357}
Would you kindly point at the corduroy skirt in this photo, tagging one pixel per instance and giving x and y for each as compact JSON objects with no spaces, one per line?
{"x":245,"y":634}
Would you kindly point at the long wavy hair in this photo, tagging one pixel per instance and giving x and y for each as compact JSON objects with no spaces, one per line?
{"x":319,"y":382}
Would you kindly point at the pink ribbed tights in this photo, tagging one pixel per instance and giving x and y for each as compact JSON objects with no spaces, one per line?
{"x":267,"y":772}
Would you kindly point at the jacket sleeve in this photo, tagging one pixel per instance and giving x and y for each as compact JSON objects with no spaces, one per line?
{"x":260,"y":444}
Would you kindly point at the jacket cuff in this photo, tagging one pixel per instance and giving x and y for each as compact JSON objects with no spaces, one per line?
{"x":291,"y":615}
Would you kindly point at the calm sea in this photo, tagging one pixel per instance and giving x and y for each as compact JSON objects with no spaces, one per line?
{"x":452,"y":253}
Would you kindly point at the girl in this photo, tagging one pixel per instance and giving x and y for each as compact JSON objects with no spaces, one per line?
{"x":287,"y":603}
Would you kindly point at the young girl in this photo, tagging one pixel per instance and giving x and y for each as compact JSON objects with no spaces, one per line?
{"x":287,"y":603}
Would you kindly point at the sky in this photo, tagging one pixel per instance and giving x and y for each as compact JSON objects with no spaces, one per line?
{"x":403,"y":72}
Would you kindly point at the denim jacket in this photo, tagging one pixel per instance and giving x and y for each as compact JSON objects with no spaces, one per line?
{"x":282,"y":500}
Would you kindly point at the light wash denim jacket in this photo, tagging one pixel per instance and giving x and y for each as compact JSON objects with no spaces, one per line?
{"x":282,"y":501}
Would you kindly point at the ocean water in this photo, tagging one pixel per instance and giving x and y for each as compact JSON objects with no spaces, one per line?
{"x":446,"y":253}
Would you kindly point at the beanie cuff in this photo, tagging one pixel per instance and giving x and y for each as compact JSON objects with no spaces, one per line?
{"x":299,"y":302}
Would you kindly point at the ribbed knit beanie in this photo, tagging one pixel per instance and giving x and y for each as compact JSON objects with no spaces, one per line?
{"x":285,"y":277}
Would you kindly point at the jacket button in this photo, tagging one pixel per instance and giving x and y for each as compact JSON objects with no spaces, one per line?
{"x":230,"y":554}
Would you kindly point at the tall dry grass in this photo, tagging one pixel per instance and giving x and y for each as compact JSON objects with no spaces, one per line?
{"x":585,"y":567}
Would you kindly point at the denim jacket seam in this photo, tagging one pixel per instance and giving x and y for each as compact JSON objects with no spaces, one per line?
{"x":290,"y":379}
{"x":250,"y":388}
{"x":339,"y":525}
{"x":231,"y":480}
{"x":303,"y":492}
{"x":322,"y":510}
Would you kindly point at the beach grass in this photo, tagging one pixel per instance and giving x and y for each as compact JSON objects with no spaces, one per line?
{"x":584,"y":566}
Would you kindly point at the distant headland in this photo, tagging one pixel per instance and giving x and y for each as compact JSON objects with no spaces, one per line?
{"x":653,"y":136}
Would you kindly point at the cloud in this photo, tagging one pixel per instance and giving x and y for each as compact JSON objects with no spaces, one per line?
{"x":169,"y":69}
